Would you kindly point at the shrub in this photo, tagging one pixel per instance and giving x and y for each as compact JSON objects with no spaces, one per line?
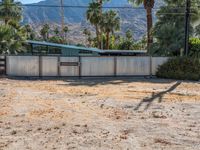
{"x":194,"y":47}
{"x":181,"y":68}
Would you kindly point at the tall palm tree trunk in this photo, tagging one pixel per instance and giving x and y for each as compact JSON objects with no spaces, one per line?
{"x":48,"y":35}
{"x":100,"y":34}
{"x":149,"y":26}
{"x":97,"y":35}
{"x":107,"y":40}
{"x":65,"y":37}
{"x":6,"y":21}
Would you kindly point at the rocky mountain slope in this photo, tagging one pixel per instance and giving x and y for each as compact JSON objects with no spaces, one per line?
{"x":133,"y":19}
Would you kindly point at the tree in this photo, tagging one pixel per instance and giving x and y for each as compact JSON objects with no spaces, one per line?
{"x":47,"y":28}
{"x":56,"y":31}
{"x":11,"y":40}
{"x":110,"y":22}
{"x":12,"y":35}
{"x":10,"y":10}
{"x":197,"y":30}
{"x":56,"y":39}
{"x":30,"y":34}
{"x":101,"y":15}
{"x":169,"y":29}
{"x":94,"y":16}
{"x":129,"y":35}
{"x":65,"y":30}
{"x":148,"y":5}
{"x":28,"y":31}
{"x":88,"y":34}
{"x":44,"y":32}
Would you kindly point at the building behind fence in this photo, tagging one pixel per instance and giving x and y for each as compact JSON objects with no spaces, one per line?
{"x":57,"y":66}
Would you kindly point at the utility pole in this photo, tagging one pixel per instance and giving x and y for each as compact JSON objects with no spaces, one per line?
{"x":187,"y":26}
{"x":62,"y":17}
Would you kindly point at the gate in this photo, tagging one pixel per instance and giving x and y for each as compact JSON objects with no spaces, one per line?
{"x":2,"y":65}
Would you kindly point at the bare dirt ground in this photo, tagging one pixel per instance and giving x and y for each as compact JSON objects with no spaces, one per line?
{"x":99,"y":114}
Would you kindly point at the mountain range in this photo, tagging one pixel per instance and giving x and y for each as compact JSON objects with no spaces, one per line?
{"x":133,"y":19}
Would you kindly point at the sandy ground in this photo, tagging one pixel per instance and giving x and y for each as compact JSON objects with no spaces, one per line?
{"x":99,"y":114}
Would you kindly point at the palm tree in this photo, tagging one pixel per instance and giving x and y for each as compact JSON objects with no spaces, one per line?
{"x":101,"y":13}
{"x":47,"y":28}
{"x":197,"y":31}
{"x":148,"y":5}
{"x":10,"y":10}
{"x":87,"y":33}
{"x":11,"y":40}
{"x":110,"y":22}
{"x":93,"y":16}
{"x":129,"y":35}
{"x":28,"y":30}
{"x":65,"y":30}
{"x":44,"y":32}
{"x":56,"y":31}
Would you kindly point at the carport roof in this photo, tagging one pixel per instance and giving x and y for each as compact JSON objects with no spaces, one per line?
{"x":62,"y":45}
{"x":85,"y":48}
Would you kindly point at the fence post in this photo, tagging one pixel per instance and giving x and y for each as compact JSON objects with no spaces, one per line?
{"x":59,"y":73}
{"x":5,"y":57}
{"x":79,"y":66}
{"x":115,"y":66}
{"x":150,"y":66}
{"x":40,"y":66}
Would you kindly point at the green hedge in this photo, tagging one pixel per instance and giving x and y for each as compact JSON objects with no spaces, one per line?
{"x":181,"y":68}
{"x":194,"y":47}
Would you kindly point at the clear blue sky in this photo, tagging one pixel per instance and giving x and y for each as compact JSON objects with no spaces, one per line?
{"x":28,"y":1}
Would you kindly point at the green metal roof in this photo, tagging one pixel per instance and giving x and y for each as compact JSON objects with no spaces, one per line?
{"x":87,"y":49}
{"x":63,"y":46}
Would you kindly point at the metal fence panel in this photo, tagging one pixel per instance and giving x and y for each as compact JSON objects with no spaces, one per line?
{"x":97,"y":66}
{"x":22,"y":66}
{"x":82,"y":66}
{"x":133,"y":66}
{"x":69,"y":70}
{"x":49,"y":66}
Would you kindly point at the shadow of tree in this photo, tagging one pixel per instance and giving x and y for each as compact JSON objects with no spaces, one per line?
{"x":93,"y":81}
{"x":148,"y":101}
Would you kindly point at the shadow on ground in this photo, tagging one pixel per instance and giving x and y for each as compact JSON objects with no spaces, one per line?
{"x":113,"y":81}
{"x":147,"y":102}
{"x":93,"y":81}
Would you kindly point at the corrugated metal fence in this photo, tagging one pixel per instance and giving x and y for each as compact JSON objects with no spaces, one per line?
{"x":55,"y":66}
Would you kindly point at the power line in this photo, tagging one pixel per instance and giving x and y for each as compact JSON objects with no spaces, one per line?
{"x":73,"y":6}
{"x":85,"y":6}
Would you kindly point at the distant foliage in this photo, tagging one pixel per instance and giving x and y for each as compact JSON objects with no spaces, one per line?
{"x":56,"y":39}
{"x":194,"y":47}
{"x":181,"y":68}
